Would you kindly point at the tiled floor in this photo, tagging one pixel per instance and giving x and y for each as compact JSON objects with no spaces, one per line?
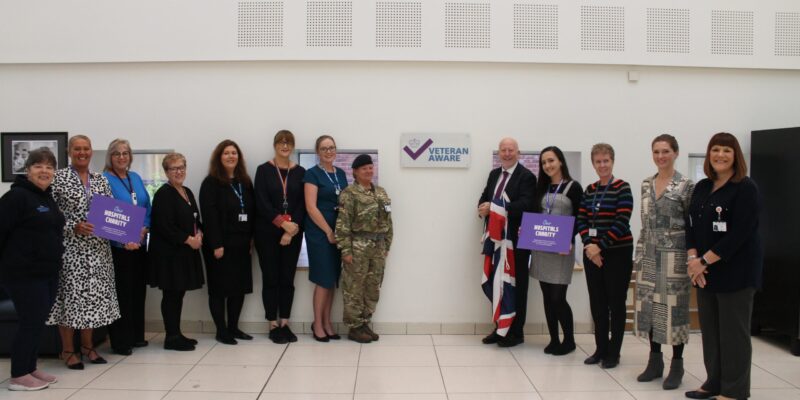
{"x":419,"y":367}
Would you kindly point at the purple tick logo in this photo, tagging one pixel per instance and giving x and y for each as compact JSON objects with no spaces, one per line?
{"x":415,"y":154}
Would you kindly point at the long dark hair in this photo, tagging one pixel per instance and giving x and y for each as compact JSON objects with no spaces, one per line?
{"x":544,"y":181}
{"x":739,"y":164}
{"x":217,"y":170}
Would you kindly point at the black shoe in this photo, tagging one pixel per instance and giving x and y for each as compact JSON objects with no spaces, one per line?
{"x":225,"y":338}
{"x":88,"y":354}
{"x":511,"y":341}
{"x":551,"y":347}
{"x":69,"y":355}
{"x":276,"y":335}
{"x":610,"y":362}
{"x":288,"y":334}
{"x":564,"y":349}
{"x":177,"y":343}
{"x":141,"y":343}
{"x":492,"y":338}
{"x":191,"y":341}
{"x":700,"y":394}
{"x":593,"y":359}
{"x":335,"y":336}
{"x":123,"y":351}
{"x":237,"y":334}
{"x":320,"y":339}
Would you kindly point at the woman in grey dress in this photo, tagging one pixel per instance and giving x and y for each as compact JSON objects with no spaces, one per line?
{"x":662,"y":284}
{"x":556,"y":194}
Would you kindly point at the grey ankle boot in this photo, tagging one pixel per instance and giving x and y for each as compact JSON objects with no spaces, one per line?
{"x":655,"y":368}
{"x":673,"y":379}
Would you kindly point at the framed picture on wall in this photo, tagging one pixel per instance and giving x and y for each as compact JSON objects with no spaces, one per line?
{"x":17,"y":145}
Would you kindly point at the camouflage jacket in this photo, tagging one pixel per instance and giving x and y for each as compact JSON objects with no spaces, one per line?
{"x":365,"y":213}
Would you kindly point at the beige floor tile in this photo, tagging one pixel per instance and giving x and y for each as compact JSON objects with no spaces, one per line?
{"x":477,"y":356}
{"x":788,"y":370}
{"x":616,"y":395}
{"x":485,"y":380}
{"x":400,"y":396}
{"x":312,"y":380}
{"x":403,"y":340}
{"x":307,"y":340}
{"x":775,"y":394}
{"x":398,"y":356}
{"x":140,"y":377}
{"x":304,"y":396}
{"x":626,"y":376}
{"x":175,"y":395}
{"x":494,"y":396}
{"x":264,"y":354}
{"x":661,"y":395}
{"x":46,"y":394}
{"x":103,"y":394}
{"x":569,"y":378}
{"x":320,"y":356}
{"x":399,"y":380}
{"x":458,"y":340}
{"x":154,"y":353}
{"x":72,"y":379}
{"x":225,"y":378}
{"x":530,"y":355}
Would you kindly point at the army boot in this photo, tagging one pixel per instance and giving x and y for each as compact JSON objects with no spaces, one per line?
{"x":359,"y":335}
{"x":370,"y":332}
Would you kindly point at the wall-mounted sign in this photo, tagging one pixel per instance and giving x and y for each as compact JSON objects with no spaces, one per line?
{"x":435,"y":150}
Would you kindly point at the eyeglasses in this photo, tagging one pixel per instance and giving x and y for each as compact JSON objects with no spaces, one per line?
{"x":331,"y":149}
{"x":177,"y":169}
{"x":117,"y":154}
{"x":284,"y":144}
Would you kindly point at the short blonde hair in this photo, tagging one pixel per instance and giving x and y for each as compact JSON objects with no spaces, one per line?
{"x":170,"y":158}
{"x":113,"y":147}
{"x":602,"y":148}
{"x":72,"y":140}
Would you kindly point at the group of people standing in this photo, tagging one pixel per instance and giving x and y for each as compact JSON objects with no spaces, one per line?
{"x":57,"y":272}
{"x":703,"y":235}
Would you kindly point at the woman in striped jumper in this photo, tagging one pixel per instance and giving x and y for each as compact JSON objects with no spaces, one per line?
{"x":604,"y":225}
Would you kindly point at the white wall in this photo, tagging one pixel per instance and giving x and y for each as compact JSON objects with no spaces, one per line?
{"x":434,"y":268}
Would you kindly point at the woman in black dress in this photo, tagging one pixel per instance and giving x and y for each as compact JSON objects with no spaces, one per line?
{"x":228,"y":205}
{"x":280,"y":203}
{"x":175,"y":241}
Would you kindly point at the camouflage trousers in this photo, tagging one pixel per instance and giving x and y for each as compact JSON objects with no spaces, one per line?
{"x":361,"y":283}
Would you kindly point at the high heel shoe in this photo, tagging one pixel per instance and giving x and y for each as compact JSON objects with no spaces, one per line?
{"x":88,"y":354}
{"x":68,"y":355}
{"x":324,"y":338}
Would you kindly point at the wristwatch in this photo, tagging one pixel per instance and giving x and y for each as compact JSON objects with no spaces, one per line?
{"x":703,"y":260}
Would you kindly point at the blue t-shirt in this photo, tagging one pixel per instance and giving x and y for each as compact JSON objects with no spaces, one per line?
{"x":121,"y":189}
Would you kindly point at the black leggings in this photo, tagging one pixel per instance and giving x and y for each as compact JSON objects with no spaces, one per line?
{"x":171,"y":307}
{"x":608,"y":291}
{"x":557,"y":310}
{"x":217,"y":306}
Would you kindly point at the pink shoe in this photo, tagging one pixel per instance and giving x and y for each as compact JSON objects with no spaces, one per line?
{"x":44,"y":376}
{"x":26,"y":383}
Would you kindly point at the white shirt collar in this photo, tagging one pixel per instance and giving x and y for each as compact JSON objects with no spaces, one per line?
{"x":510,"y":170}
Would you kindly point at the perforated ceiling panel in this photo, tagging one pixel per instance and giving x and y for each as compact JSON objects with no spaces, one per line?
{"x":732,"y":32}
{"x":398,"y":24}
{"x":787,"y":34}
{"x":329,"y":24}
{"x":668,"y":30}
{"x":260,"y":24}
{"x":603,"y":28}
{"x":467,"y":25}
{"x":536,"y":26}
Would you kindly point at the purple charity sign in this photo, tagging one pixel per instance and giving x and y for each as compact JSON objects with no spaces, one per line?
{"x":115,"y":220}
{"x":545,"y":232}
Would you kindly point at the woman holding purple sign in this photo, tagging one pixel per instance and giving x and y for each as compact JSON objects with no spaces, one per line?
{"x":130,"y":259}
{"x":86,"y":297}
{"x":557,"y":194}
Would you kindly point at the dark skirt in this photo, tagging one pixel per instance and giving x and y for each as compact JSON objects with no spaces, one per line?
{"x":175,"y":268}
{"x":232,"y":275}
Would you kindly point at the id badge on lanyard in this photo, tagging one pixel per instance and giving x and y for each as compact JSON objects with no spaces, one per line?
{"x":719,"y":225}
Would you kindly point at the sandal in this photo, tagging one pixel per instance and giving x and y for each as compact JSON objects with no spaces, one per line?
{"x":88,"y":354}
{"x":69,"y":355}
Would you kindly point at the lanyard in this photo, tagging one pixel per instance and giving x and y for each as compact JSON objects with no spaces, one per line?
{"x":239,"y":194}
{"x":336,"y":185}
{"x":129,"y":189}
{"x":548,"y":201}
{"x":595,"y":203}
{"x":284,"y":184}
{"x":88,"y":186}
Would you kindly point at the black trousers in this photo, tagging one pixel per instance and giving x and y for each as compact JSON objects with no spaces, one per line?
{"x":218,"y":304}
{"x":171,"y":307}
{"x":608,"y":291}
{"x":32,"y":301}
{"x":278,"y":266}
{"x":130,"y":277}
{"x":727,"y":351}
{"x":521,"y":264}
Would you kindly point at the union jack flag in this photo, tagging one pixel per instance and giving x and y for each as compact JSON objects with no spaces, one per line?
{"x":499,"y":274}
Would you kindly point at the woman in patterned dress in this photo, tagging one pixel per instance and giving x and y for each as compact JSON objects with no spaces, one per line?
{"x":662,"y":285}
{"x":86,"y":296}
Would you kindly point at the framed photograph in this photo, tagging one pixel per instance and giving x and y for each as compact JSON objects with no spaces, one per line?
{"x":17,"y":145}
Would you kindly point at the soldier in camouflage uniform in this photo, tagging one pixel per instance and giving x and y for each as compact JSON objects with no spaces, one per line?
{"x":363,"y":234}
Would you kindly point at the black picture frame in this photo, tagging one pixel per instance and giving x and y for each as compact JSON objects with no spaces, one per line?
{"x":16,"y":145}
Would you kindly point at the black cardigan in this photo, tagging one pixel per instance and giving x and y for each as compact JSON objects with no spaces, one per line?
{"x":31,"y":233}
{"x":220,"y":207}
{"x":739,"y":247}
{"x":269,"y":197}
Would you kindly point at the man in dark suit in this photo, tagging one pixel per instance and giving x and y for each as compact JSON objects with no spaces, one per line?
{"x":519,"y":184}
